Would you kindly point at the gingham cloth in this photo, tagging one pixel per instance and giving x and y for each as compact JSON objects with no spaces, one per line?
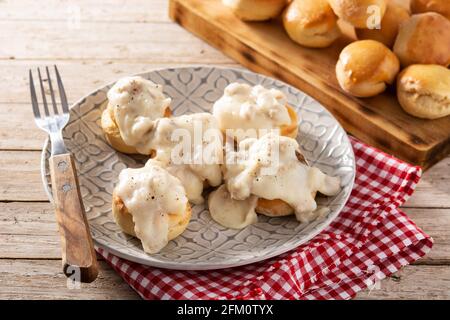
{"x":369,"y":240}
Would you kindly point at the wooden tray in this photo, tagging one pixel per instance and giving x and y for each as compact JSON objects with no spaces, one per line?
{"x":264,"y":47}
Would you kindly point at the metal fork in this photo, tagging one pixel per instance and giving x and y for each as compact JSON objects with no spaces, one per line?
{"x":78,"y":254}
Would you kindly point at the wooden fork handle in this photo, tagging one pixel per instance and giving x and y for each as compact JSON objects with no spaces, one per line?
{"x":78,"y":254}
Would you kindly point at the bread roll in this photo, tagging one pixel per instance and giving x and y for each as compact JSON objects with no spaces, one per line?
{"x":424,"y":91}
{"x":124,"y":219}
{"x":424,"y":39}
{"x":359,"y":13}
{"x":134,"y":103}
{"x":290,"y":130}
{"x":283,"y":184}
{"x":256,"y":10}
{"x":112,"y":132}
{"x":439,"y":6}
{"x":150,"y":204}
{"x":365,"y":67}
{"x":311,"y":23}
{"x":273,"y":208}
{"x":395,"y":14}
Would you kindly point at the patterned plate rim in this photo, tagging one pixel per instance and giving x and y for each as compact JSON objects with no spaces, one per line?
{"x":206,"y":266}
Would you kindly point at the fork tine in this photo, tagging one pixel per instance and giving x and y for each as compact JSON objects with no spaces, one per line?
{"x":52,"y":94}
{"x":34,"y":101}
{"x":62,"y":93}
{"x":44,"y":99}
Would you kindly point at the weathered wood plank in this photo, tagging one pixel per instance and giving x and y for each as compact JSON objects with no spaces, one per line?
{"x":20,"y":177}
{"x":156,"y":42}
{"x":28,"y":230}
{"x":436,"y":223}
{"x":413,"y":282}
{"x":18,"y":132}
{"x":86,"y":10}
{"x":31,"y":246}
{"x":27,"y":219}
{"x":433,"y":189}
{"x":43,"y":279}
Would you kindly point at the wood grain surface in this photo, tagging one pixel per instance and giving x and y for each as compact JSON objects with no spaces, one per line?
{"x":266,"y":48}
{"x":91,"y":56}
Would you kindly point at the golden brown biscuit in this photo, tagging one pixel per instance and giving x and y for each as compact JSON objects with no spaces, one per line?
{"x":277,"y":207}
{"x":424,"y":91}
{"x":177,"y":223}
{"x":439,"y":6}
{"x":290,"y":130}
{"x":365,"y":67}
{"x":112,"y":132}
{"x":359,"y":13}
{"x":395,"y":14}
{"x":424,"y":39}
{"x":273,"y":208}
{"x":311,"y":23}
{"x":256,"y":10}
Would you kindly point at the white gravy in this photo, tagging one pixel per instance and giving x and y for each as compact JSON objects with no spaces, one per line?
{"x":139,"y":106}
{"x":249,"y":109}
{"x":150,"y":194}
{"x":201,"y":138}
{"x":231,"y":213}
{"x":263,"y":174}
{"x":136,"y":103}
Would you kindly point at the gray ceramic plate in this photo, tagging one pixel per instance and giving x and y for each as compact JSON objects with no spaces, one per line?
{"x":205,"y":244}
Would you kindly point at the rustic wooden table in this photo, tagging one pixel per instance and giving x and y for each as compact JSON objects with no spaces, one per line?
{"x":94,"y":43}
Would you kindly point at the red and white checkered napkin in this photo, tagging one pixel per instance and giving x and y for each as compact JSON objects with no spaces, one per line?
{"x":368,"y":241}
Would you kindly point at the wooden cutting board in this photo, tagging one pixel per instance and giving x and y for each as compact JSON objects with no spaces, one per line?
{"x":264,"y":47}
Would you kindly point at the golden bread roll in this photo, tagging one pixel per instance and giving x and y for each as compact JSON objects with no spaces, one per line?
{"x":270,"y":208}
{"x":177,"y":223}
{"x":256,"y":10}
{"x":112,"y":132}
{"x":365,"y":67}
{"x":424,"y":39}
{"x":439,"y":6}
{"x":395,"y":14}
{"x":281,"y":182}
{"x":290,"y":130}
{"x":276,"y":207}
{"x":150,"y":204}
{"x":134,"y":104}
{"x":311,"y":23}
{"x":359,"y":13}
{"x":273,"y":208}
{"x":424,"y":91}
